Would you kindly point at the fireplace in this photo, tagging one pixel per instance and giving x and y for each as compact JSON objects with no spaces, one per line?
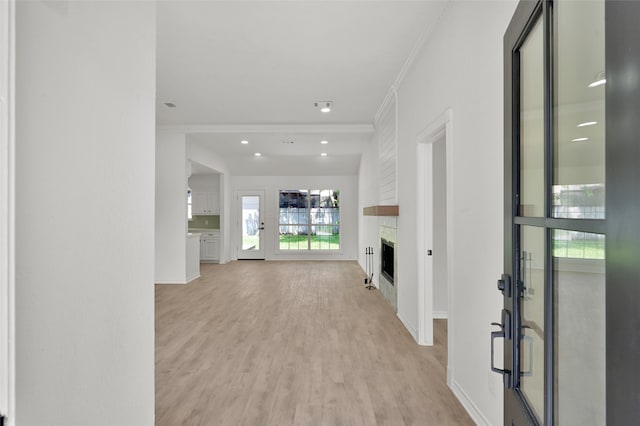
{"x":386,"y":260}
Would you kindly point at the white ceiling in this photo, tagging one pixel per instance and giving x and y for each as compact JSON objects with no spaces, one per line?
{"x":253,"y":63}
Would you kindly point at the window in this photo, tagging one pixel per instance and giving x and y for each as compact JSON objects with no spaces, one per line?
{"x":309,"y":219}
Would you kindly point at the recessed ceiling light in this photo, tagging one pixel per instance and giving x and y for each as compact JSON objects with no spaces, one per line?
{"x":244,"y":142}
{"x":324,"y":154}
{"x":257,"y":154}
{"x":169,"y":104}
{"x":324,"y":142}
{"x":579,"y":139}
{"x":325,"y":106}
{"x":587,"y":123}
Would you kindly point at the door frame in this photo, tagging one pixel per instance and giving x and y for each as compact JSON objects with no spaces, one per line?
{"x":439,"y":128}
{"x":238,"y":212}
{"x":621,"y":227}
{"x":7,"y":209}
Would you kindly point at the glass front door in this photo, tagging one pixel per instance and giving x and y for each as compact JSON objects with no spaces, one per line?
{"x":554,"y":318}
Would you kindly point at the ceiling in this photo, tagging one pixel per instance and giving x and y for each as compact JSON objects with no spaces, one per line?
{"x":252,"y":70}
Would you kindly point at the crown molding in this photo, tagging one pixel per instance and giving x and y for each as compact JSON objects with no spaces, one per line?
{"x":268,"y":128}
{"x":417,"y":47}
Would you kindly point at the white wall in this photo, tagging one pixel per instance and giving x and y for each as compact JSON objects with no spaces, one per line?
{"x":369,"y":195}
{"x":348,"y":186}
{"x":171,"y":208}
{"x":207,"y":157}
{"x":85,"y":130}
{"x":459,"y":67}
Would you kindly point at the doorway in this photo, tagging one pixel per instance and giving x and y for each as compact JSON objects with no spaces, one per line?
{"x":250,"y":225}
{"x":434,"y":231}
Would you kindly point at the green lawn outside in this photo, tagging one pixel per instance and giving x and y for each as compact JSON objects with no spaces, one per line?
{"x":579,"y":249}
{"x":318,"y":242}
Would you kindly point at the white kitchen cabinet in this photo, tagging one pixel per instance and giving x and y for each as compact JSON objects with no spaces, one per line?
{"x":205,"y":203}
{"x":210,"y":246}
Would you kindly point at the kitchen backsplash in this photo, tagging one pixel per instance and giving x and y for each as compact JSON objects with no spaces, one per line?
{"x":205,"y":221}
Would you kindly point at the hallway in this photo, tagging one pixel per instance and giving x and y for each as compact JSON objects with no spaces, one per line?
{"x":282,"y":343}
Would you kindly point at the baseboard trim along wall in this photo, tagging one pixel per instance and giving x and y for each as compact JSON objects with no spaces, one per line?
{"x":472,"y":409}
{"x":412,"y":330}
{"x":440,"y":315}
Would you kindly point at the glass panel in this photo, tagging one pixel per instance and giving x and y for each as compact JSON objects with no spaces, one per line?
{"x":532,"y":338}
{"x":578,"y":175}
{"x":250,"y":222}
{"x":579,"y":287}
{"x":293,"y":238}
{"x":309,"y":219}
{"x":532,"y":124}
{"x":578,"y":245}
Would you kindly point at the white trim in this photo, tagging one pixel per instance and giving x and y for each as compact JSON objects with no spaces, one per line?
{"x":269,"y":128}
{"x":467,"y":403}
{"x":441,"y":126}
{"x":7,"y":210}
{"x":440,"y":314}
{"x":410,"y":328}
{"x":171,"y":282}
{"x":194,"y":277}
{"x":417,"y":47}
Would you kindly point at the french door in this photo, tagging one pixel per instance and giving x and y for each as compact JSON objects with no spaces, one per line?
{"x":250,"y":222}
{"x":571,"y":285}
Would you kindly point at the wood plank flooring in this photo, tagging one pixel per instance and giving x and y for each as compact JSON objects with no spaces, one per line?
{"x":293,"y":343}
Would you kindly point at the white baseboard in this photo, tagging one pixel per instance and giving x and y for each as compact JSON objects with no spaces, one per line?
{"x":440,"y":315}
{"x":195,"y":277}
{"x":472,"y":409}
{"x":170,"y":282}
{"x":412,"y":330}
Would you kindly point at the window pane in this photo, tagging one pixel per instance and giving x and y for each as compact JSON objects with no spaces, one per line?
{"x":532,"y":124}
{"x":578,"y":245}
{"x":293,"y":238}
{"x":532,"y":334}
{"x":250,"y":222}
{"x":309,"y":219}
{"x":579,"y":287}
{"x":579,"y":152}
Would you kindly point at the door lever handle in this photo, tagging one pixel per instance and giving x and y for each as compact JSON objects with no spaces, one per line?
{"x":506,"y":374}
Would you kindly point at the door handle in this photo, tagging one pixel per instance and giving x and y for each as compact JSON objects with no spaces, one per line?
{"x":504,"y":333}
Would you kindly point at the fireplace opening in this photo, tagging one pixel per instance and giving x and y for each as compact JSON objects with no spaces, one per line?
{"x":386,"y":260}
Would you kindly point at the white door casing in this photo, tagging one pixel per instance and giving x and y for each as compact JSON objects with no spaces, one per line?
{"x":440,"y":128}
{"x":7,"y":206}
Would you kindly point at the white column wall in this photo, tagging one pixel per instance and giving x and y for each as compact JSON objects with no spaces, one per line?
{"x":171,"y":208}
{"x":459,"y":67}
{"x":85,"y":132}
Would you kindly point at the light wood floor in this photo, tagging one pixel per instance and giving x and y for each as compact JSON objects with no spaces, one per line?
{"x":293,"y":343}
